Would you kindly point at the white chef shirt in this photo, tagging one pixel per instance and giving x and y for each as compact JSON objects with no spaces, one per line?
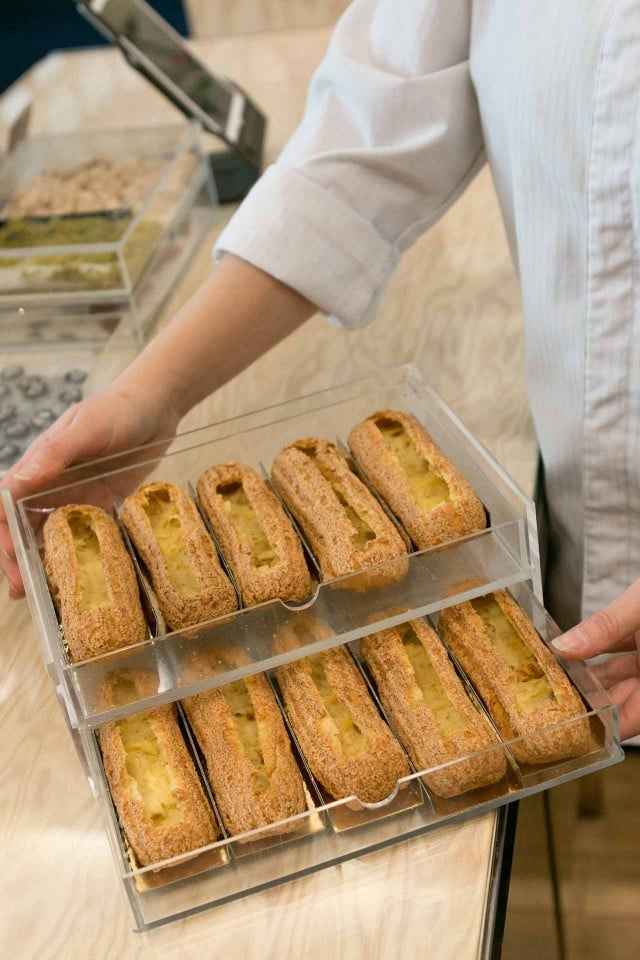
{"x":410,"y":99}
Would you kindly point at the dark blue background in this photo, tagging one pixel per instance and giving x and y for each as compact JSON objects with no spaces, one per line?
{"x":29,"y":29}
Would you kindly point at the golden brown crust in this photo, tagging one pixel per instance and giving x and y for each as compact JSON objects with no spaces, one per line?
{"x":132,"y":685}
{"x":372,"y":774}
{"x":212,"y":594}
{"x":463,"y":630}
{"x":90,"y":632}
{"x":456,"y":517}
{"x":243,"y":801}
{"x":287,"y":576}
{"x":193,"y":825}
{"x":417,"y":724}
{"x":313,"y":478}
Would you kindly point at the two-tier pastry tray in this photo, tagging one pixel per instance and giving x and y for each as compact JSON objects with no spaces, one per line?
{"x":505,"y":555}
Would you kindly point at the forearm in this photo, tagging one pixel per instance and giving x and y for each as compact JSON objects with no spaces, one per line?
{"x":233,"y":318}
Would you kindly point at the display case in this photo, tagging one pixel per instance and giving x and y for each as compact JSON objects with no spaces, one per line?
{"x":95,"y":226}
{"x":502,"y":556}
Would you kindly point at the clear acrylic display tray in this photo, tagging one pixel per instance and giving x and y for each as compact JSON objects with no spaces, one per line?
{"x":502,"y":556}
{"x":331,"y":831}
{"x":47,"y":342}
{"x":78,"y":292}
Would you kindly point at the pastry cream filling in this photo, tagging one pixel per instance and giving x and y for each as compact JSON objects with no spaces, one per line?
{"x":244,"y":719}
{"x":529,"y":683}
{"x":428,"y":488}
{"x":94,"y":594}
{"x":341,"y":723}
{"x":246,"y":524}
{"x":162,"y":514}
{"x":364,"y":533}
{"x":429,"y":688}
{"x":146,"y":761}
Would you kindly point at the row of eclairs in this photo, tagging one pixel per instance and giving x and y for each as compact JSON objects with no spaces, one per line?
{"x":239,"y":727}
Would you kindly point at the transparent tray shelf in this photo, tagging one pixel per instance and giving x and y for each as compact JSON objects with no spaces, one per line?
{"x":332,"y":831}
{"x":502,"y":556}
{"x":74,"y":276}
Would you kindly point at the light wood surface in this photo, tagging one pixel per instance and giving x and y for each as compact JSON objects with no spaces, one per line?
{"x":452,"y":309}
{"x":214,"y":18}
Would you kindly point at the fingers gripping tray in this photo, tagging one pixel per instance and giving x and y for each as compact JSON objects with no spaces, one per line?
{"x":241,"y":662}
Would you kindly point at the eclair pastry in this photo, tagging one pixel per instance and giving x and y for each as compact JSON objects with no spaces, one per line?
{"x":345,"y":526}
{"x":153,"y":781}
{"x":167,"y":530}
{"x":520,"y":681}
{"x":255,"y":534}
{"x":430,"y":710}
{"x":92,"y":581}
{"x":241,"y":733}
{"x":347,"y":744}
{"x":417,"y":482}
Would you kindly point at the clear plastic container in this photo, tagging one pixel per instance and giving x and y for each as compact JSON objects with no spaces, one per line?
{"x":55,"y":321}
{"x":502,"y":556}
{"x":73,"y":278}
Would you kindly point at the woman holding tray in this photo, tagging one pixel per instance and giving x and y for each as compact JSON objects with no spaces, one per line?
{"x":409,"y":102}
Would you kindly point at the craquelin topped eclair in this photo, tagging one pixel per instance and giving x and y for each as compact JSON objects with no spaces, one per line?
{"x":167,"y":530}
{"x":417,"y":482}
{"x":521,"y":683}
{"x":92,"y":581}
{"x":255,"y":534}
{"x":430,"y":710}
{"x":345,"y":526}
{"x":153,"y":780}
{"x":240,"y":730}
{"x":347,"y":744}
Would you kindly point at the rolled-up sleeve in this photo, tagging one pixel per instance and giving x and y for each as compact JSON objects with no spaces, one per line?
{"x":391,"y":135}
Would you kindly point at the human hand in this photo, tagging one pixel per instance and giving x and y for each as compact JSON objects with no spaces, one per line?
{"x":614,"y":629}
{"x":237,"y":314}
{"x":97,"y":427}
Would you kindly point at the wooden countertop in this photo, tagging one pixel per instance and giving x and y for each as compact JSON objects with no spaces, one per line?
{"x":453,"y":310}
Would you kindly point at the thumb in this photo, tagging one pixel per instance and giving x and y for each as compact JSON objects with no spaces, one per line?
{"x":610,"y":630}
